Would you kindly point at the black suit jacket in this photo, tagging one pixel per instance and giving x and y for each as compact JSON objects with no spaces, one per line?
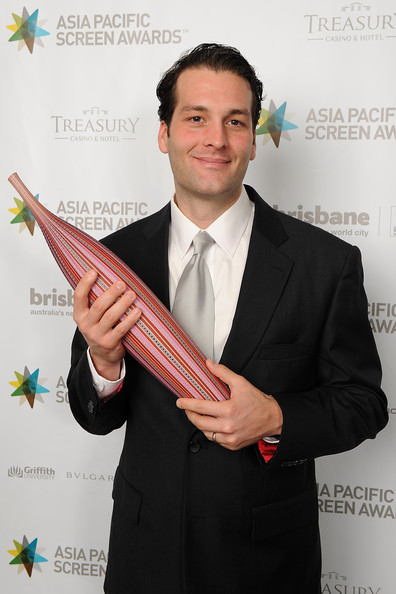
{"x":190,"y":516}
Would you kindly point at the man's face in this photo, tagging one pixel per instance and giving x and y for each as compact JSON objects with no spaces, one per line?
{"x":210,"y":139}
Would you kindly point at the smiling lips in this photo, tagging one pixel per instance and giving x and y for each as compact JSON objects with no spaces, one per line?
{"x":213,"y":160}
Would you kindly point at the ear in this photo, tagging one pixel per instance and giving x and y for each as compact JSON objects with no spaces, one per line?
{"x":163,"y":137}
{"x":253,"y":153}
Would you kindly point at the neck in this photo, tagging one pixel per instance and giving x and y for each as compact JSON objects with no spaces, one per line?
{"x":204,"y":211}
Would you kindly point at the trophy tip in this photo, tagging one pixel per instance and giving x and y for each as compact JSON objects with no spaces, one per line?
{"x":13,"y":176}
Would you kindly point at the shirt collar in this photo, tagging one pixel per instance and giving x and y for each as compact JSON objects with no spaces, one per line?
{"x":227,"y":230}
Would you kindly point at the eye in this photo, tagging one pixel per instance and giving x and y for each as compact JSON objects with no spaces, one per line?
{"x":238,"y":123}
{"x":196,"y":119}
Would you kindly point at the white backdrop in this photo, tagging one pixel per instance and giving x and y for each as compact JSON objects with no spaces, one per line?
{"x":79,"y":125}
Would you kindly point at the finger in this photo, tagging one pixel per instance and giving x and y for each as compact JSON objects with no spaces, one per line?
{"x":108,"y":298}
{"x":222,"y":372}
{"x":81,"y":292}
{"x":127,"y":321}
{"x":204,"y":423}
{"x":214,"y":436}
{"x":201,"y":407}
{"x":112,"y":306}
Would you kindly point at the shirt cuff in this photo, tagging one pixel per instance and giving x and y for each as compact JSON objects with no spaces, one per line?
{"x":105,"y":388}
{"x":272,"y":439}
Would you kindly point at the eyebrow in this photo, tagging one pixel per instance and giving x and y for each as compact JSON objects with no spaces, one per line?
{"x":202,"y":108}
{"x":194,"y":108}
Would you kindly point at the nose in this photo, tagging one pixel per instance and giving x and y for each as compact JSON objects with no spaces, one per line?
{"x":216,"y":135}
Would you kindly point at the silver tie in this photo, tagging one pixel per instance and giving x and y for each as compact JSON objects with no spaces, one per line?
{"x":193,"y":307}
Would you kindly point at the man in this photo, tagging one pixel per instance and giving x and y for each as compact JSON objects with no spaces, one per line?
{"x":220,"y":497}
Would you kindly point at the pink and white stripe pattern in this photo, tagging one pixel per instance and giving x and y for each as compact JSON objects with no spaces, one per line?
{"x":157,"y":341}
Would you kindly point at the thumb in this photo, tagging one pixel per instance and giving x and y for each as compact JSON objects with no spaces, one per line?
{"x":81,"y":292}
{"x":222,"y":372}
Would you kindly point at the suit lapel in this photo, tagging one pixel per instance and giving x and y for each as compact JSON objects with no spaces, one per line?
{"x":154,"y":254}
{"x":266,"y":274}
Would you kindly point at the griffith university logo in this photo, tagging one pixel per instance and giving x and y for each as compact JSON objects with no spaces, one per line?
{"x":27,"y":30}
{"x":26,"y":556}
{"x":273,"y":124}
{"x":27,"y":387}
{"x":23,"y":215}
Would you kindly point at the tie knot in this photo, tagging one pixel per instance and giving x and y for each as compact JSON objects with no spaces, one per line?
{"x":202,"y":242}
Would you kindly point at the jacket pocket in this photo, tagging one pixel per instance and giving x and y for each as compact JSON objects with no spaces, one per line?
{"x":296,"y":350}
{"x":283,"y":367}
{"x":276,"y":519}
{"x":126,"y":498}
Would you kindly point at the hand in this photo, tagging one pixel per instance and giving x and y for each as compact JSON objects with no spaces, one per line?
{"x":249,"y":414}
{"x":98,"y":323}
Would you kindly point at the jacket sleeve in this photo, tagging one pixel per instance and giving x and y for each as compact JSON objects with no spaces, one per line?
{"x":347,"y":405}
{"x":90,"y":412}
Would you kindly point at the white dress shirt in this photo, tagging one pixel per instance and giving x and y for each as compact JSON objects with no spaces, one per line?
{"x":226,"y":259}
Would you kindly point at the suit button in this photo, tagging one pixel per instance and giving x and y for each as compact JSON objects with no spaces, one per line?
{"x":194,"y":446}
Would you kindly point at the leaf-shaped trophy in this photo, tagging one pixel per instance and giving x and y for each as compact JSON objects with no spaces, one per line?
{"x":157,"y":341}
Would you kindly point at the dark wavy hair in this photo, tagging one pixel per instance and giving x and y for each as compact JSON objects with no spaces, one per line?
{"x":214,"y":56}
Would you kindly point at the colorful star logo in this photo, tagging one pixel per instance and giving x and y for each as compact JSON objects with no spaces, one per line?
{"x":24,"y":216}
{"x":27,"y":30}
{"x":272,"y":124}
{"x":27,"y":387}
{"x":26,"y":556}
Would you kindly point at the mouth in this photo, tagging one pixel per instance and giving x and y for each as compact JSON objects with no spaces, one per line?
{"x":213,"y":161}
